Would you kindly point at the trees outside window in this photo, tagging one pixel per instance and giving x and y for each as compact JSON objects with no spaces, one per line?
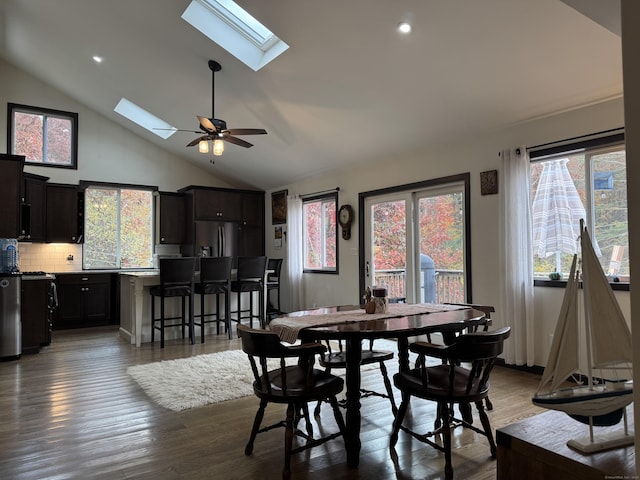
{"x":118,"y":228}
{"x":598,"y":173}
{"x":44,"y":136}
{"x":320,"y":233}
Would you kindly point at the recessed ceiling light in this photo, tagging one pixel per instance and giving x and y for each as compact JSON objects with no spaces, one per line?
{"x":404,"y":27}
{"x":97,"y":59}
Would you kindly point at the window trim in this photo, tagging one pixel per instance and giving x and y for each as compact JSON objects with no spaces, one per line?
{"x":13,"y":108}
{"x":84,"y":184}
{"x":463,"y":178}
{"x":312,"y":198}
{"x":597,"y":141}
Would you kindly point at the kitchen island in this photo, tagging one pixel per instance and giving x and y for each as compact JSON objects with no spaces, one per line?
{"x":135,"y":306}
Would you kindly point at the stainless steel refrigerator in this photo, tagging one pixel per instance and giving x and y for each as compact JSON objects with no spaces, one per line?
{"x":213,"y":239}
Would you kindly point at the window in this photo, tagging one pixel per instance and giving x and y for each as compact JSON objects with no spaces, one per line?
{"x":45,"y":137}
{"x":118,"y":227}
{"x":415,"y":240}
{"x":320,"y":233}
{"x":584,"y":180}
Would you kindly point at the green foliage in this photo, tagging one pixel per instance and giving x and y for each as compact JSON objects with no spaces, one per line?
{"x":118,"y":228}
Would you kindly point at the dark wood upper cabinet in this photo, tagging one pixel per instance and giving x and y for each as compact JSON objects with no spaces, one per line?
{"x":221,"y":205}
{"x":170,"y":218}
{"x":34,"y":194}
{"x":253,"y":208}
{"x":252,"y":238}
{"x":64,"y":214}
{"x":11,"y":167}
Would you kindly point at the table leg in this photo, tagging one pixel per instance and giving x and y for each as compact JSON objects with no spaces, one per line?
{"x":352,"y":440}
{"x":403,"y":354}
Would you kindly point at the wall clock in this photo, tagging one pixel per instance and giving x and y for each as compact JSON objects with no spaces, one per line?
{"x":345,"y":218}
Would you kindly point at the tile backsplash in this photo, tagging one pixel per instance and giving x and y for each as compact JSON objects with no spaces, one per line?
{"x":49,"y":257}
{"x":55,"y":257}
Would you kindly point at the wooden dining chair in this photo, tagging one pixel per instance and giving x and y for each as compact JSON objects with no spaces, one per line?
{"x":294,"y":384}
{"x":337,"y":359}
{"x":450,"y":383}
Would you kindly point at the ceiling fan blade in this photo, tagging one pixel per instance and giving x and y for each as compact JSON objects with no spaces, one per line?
{"x":206,"y":124}
{"x":195,"y":142}
{"x":237,"y":141}
{"x":246,"y":131}
{"x":178,"y":130}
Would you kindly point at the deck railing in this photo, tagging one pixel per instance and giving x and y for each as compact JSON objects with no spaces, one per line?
{"x":449,"y":284}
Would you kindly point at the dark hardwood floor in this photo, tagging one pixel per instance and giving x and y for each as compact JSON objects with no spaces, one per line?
{"x":72,"y":412}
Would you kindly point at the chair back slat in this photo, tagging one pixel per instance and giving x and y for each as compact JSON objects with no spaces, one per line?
{"x":215,"y":269}
{"x":177,"y":271}
{"x":251,"y":268}
{"x":274,"y":264}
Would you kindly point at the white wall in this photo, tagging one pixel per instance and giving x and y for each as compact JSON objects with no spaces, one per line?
{"x":472,"y":155}
{"x":630,"y":11}
{"x":107,"y":152}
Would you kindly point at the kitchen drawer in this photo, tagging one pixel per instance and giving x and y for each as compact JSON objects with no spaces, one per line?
{"x":83,"y":278}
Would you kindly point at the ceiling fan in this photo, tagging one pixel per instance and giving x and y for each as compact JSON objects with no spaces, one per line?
{"x":215,"y":130}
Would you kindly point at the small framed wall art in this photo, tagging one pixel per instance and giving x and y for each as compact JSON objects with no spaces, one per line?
{"x":489,"y":182}
{"x":279,"y":207}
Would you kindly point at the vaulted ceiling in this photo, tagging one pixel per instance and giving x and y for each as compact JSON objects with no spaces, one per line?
{"x":349,"y":90}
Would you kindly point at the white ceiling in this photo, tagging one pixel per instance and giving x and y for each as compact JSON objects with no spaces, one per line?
{"x":349,"y":90}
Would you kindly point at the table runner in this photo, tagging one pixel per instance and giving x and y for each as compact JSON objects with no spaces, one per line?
{"x":288,"y":328}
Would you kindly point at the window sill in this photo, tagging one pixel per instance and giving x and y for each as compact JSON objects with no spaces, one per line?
{"x":620,"y":286}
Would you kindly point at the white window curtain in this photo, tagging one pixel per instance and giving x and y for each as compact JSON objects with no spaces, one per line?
{"x":516,"y":261}
{"x":294,"y":254}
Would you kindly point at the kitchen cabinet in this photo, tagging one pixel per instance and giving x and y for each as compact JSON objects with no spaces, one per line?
{"x":216,"y":204}
{"x":34,"y":313}
{"x":11,"y":167}
{"x":34,"y":195}
{"x":170,"y":218}
{"x":243,"y":208}
{"x":84,"y":300}
{"x":64,"y":214}
{"x":252,"y":236}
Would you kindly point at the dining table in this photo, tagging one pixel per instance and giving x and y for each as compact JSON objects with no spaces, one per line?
{"x":351,"y":324}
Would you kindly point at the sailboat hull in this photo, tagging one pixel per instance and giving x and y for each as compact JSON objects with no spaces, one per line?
{"x":603,"y":404}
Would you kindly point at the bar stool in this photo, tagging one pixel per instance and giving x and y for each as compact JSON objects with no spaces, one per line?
{"x":176,"y":280}
{"x":215,"y":279}
{"x":273,"y":283}
{"x":250,"y":278}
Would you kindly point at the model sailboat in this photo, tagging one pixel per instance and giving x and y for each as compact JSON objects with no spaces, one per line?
{"x":603,"y":400}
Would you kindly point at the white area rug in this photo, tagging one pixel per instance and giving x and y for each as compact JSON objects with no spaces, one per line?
{"x":196,"y":381}
{"x":203,"y":379}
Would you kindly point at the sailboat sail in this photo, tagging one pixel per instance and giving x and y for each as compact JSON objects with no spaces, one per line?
{"x":563,"y":357}
{"x":610,"y":335}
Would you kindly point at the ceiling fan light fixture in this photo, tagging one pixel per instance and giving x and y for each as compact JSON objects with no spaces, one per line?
{"x":203,"y":146}
{"x":218,"y":147}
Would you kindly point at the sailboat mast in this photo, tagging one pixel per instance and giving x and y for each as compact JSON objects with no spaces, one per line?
{"x":587,"y":316}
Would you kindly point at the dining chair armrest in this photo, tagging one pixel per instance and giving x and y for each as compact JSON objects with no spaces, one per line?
{"x":307,"y":349}
{"x":430,"y":349}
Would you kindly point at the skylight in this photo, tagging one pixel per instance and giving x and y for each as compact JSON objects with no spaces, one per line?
{"x":145,"y":119}
{"x":235,"y":30}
